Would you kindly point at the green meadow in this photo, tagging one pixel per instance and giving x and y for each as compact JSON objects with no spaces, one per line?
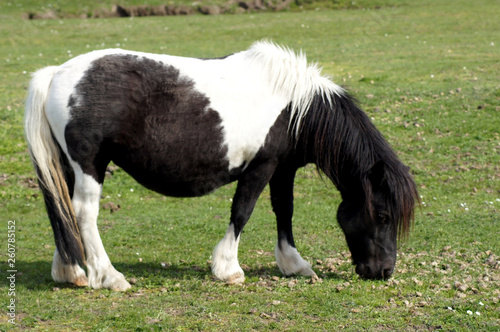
{"x":426,"y":72}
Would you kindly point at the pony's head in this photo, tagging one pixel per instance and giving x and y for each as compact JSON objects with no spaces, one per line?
{"x":372,"y":219}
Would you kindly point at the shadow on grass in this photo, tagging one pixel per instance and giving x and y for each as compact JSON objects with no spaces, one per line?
{"x":37,"y":275}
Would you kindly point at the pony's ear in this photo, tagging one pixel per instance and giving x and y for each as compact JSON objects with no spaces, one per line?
{"x":376,"y":175}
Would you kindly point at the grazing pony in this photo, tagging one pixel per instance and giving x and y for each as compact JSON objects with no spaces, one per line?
{"x":185,"y":126}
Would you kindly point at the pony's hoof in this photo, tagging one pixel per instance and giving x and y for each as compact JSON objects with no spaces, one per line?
{"x":121,"y":286}
{"x":236,"y":279}
{"x":308,"y":272}
{"x":110,"y":279}
{"x":81,"y":281}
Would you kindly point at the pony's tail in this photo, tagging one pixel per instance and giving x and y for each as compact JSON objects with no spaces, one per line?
{"x":52,"y":169}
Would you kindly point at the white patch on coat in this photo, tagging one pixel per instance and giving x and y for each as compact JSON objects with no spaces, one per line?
{"x":290,"y":262}
{"x":225,"y":264}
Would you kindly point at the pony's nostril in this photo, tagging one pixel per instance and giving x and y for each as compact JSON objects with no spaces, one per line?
{"x":364,"y":271}
{"x":386,"y":273}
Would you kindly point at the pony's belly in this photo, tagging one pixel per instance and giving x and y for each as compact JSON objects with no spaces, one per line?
{"x":174,"y":177}
{"x":186,"y":186}
{"x":183,"y":189}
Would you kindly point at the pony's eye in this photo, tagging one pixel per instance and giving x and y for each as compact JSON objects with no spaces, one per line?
{"x":382,"y":217}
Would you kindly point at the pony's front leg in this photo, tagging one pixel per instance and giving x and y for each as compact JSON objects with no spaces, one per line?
{"x":100,"y":271}
{"x":287,"y":257}
{"x":225,"y":264}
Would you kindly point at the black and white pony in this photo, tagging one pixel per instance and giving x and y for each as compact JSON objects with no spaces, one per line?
{"x":185,"y":126}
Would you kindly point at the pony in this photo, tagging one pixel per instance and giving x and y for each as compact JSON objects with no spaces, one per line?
{"x":184,"y":127}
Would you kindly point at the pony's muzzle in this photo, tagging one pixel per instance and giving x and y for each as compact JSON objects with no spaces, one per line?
{"x":372,"y":271}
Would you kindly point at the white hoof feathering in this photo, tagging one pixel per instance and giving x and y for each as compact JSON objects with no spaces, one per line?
{"x":72,"y":274}
{"x":290,"y":262}
{"x":225,"y":264}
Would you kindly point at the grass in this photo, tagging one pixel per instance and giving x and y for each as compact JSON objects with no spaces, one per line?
{"x":426,"y":72}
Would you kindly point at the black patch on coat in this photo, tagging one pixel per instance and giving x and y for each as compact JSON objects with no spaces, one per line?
{"x":148,"y":119}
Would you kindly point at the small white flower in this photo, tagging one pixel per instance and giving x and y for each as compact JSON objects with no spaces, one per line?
{"x":481,"y":303}
{"x":478,"y":313}
{"x":469,"y":312}
{"x":131,"y":190}
{"x":466,"y":209}
{"x":432,"y":76}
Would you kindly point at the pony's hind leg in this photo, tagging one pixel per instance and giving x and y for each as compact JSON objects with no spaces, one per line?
{"x":100,"y":271}
{"x":287,"y":257}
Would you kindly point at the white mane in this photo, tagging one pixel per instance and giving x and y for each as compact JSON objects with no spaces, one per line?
{"x":294,"y":78}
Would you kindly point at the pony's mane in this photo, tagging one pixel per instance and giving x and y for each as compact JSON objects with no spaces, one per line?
{"x":293,"y":78}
